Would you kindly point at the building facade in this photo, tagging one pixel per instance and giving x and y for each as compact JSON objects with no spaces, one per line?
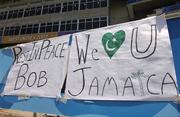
{"x":24,"y":21}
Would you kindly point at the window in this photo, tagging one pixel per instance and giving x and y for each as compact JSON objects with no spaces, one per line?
{"x":95,"y":22}
{"x":82,"y":24}
{"x":29,"y":29}
{"x":32,"y":11}
{"x":89,"y":4}
{"x":62,"y":28}
{"x":15,"y":13}
{"x":96,"y":3}
{"x":12,"y":30}
{"x":4,"y":15}
{"x":35,"y":28}
{"x":45,"y":9}
{"x":38,"y":10}
{"x":10,"y":14}
{"x":76,"y":5}
{"x":58,"y":8}
{"x":103,"y":3}
{"x":6,"y":32}
{"x":70,"y":6}
{"x":20,"y":13}
{"x":55,"y":27}
{"x":68,"y":25}
{"x":17,"y":30}
{"x":89,"y":23}
{"x":64,"y":8}
{"x":74,"y":25}
{"x":1,"y":31}
{"x":51,"y":8}
{"x":43,"y":28}
{"x":82,"y":4}
{"x":103,"y":22}
{"x":27,"y":12}
{"x":49,"y":27}
{"x":23,"y":29}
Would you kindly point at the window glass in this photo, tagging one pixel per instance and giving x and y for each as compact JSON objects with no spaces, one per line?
{"x":82,"y":24}
{"x":27,"y":12}
{"x":4,"y":15}
{"x":76,"y":5}
{"x":49,"y":27}
{"x":38,"y":10}
{"x":64,"y":8}
{"x":6,"y":32}
{"x":62,"y":28}
{"x":70,"y":6}
{"x":11,"y":32}
{"x":10,"y":14}
{"x":89,"y":23}
{"x":96,"y":3}
{"x":43,"y":28}
{"x":95,"y":22}
{"x":103,"y":22}
{"x":32,"y":11}
{"x":51,"y":8}
{"x":89,"y":4}
{"x":29,"y":29}
{"x":23,"y":29}
{"x":17,"y":29}
{"x":68,"y":25}
{"x":1,"y":16}
{"x":35,"y":28}
{"x":103,"y":3}
{"x":1,"y":31}
{"x":45,"y":9}
{"x":20,"y":13}
{"x":55,"y":27}
{"x":82,"y":4}
{"x":58,"y":8}
{"x":74,"y":25}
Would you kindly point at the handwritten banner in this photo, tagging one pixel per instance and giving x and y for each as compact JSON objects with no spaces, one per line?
{"x":39,"y":68}
{"x":130,"y":61}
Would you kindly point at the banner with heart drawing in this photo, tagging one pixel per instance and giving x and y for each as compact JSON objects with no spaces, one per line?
{"x":130,"y":61}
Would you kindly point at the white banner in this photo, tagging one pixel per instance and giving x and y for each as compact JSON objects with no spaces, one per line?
{"x":39,"y":68}
{"x":130,"y":61}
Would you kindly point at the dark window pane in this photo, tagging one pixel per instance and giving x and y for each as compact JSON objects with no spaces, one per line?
{"x":6,"y":32}
{"x":89,"y":4}
{"x":58,"y":8}
{"x":49,"y":27}
{"x":74,"y":25}
{"x":10,"y":14}
{"x":70,"y":6}
{"x":64,"y":9}
{"x":68,"y":26}
{"x":38,"y":10}
{"x":55,"y":26}
{"x":62,"y":26}
{"x":83,"y":5}
{"x":20,"y":13}
{"x":17,"y":29}
{"x":45,"y":9}
{"x":43,"y":28}
{"x":51,"y":8}
{"x":15,"y":13}
{"x":27,"y":11}
{"x":11,"y":31}
{"x":5,"y":15}
{"x":95,"y":22}
{"x":103,"y":21}
{"x":96,"y":4}
{"x":76,"y":5}
{"x":1,"y":31}
{"x":103,"y":3}
{"x":81,"y":24}
{"x":29,"y":29}
{"x":33,"y":11}
{"x":23,"y":29}
{"x":88,"y":23}
{"x":35,"y":28}
{"x":0,"y":16}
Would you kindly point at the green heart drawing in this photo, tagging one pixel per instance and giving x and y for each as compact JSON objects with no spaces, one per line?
{"x":112,"y":42}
